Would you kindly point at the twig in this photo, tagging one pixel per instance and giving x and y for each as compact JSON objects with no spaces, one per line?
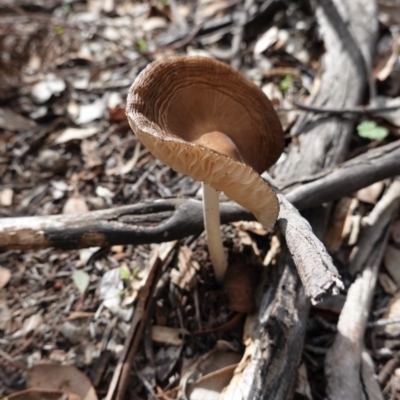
{"x":360,"y":110}
{"x":238,"y":34}
{"x":388,"y":369}
{"x":332,"y":184}
{"x":383,"y":322}
{"x":120,"y":379}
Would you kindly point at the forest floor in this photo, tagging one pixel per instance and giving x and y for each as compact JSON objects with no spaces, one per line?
{"x":66,"y":148}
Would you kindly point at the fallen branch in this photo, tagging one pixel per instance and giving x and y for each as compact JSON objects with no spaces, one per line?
{"x":183,"y":218}
{"x":313,"y":262}
{"x":360,"y":110}
{"x":345,"y":179}
{"x":343,"y":363}
{"x":169,"y":219}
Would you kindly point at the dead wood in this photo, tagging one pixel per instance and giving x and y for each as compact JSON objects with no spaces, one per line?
{"x":270,"y":366}
{"x":345,"y":179}
{"x":343,"y":364}
{"x":348,"y":372}
{"x":170,"y":219}
{"x":313,"y":262}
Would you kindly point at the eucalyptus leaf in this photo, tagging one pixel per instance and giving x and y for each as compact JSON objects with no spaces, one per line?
{"x":286,"y":82}
{"x":370,"y":130}
{"x":124,"y":272}
{"x":81,"y":280}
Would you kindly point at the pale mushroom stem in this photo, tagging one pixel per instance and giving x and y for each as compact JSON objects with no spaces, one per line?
{"x":213,"y":230}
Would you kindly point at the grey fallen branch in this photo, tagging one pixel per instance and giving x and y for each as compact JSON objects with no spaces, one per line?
{"x":314,"y":264}
{"x":169,"y":219}
{"x":352,"y":110}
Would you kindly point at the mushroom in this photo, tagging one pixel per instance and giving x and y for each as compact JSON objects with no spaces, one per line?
{"x":206,"y":120}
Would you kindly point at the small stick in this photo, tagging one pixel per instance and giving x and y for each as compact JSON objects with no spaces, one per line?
{"x":120,"y":379}
{"x":360,"y":110}
{"x":238,"y":34}
{"x":383,"y":322}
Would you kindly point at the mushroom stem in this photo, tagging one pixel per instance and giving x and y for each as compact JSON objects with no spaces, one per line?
{"x":212,"y":224}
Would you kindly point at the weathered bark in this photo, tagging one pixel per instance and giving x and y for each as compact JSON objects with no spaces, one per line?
{"x":345,"y":179}
{"x":344,"y":365}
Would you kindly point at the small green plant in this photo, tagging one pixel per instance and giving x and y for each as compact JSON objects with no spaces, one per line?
{"x":370,"y":130}
{"x":59,"y":30}
{"x":124,"y":272}
{"x":81,"y":280}
{"x":141,"y":45}
{"x":286,"y":83}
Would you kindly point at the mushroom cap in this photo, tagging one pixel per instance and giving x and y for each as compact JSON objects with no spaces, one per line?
{"x":206,"y":120}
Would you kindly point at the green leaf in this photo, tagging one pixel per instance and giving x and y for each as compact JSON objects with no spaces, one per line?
{"x":370,"y":130}
{"x":141,"y":44}
{"x":81,"y":280}
{"x":59,"y":30}
{"x":124,"y":272}
{"x":135,"y":271}
{"x":286,"y":83}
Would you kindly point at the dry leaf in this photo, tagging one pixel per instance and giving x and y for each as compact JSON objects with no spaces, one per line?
{"x":240,"y":283}
{"x":210,"y":387}
{"x":69,"y":134}
{"x":42,"y":394}
{"x":167,"y":335}
{"x":370,"y":194}
{"x":387,"y":284}
{"x":12,"y":121}
{"x":185,"y":276}
{"x":6,"y":197}
{"x":90,"y":112}
{"x":391,"y":116}
{"x":387,"y":58}
{"x":395,"y":231}
{"x":44,"y":90}
{"x":393,"y":311}
{"x":391,"y":260}
{"x":90,"y":153}
{"x":75,"y":205}
{"x":116,"y":114}
{"x":302,"y":384}
{"x":251,"y":226}
{"x":5,"y":315}
{"x":61,"y":377}
{"x":216,"y":367}
{"x":266,"y":40}
{"x":5,"y":276}
{"x":339,"y":223}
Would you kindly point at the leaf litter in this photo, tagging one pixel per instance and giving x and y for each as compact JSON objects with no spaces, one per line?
{"x":66,"y":147}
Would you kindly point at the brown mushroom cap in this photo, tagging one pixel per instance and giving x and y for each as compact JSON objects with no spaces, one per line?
{"x":206,"y":120}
